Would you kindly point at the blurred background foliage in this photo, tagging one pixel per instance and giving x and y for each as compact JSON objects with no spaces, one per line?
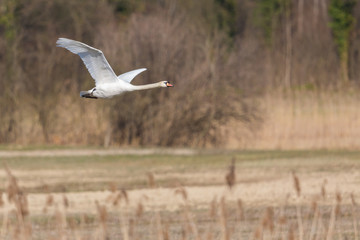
{"x":225,"y":57}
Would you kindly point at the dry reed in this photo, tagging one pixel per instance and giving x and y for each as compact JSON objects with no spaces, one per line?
{"x":298,"y":208}
{"x":307,"y":120}
{"x":354,"y":205}
{"x":231,"y":176}
{"x":151,"y":180}
{"x":225,"y":220}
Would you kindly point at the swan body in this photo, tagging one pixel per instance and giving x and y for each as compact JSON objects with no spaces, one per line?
{"x":107,"y":84}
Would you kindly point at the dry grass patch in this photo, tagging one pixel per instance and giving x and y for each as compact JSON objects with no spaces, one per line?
{"x":310,"y":203}
{"x":310,"y":120}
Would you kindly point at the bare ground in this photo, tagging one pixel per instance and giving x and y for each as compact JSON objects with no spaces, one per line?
{"x":262,"y":182}
{"x":187,"y":187}
{"x":89,"y":152}
{"x":263,"y":192}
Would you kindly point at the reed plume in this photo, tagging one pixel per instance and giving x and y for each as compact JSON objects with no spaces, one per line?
{"x":231,"y":176}
{"x":296,"y":184}
{"x":151,"y":179}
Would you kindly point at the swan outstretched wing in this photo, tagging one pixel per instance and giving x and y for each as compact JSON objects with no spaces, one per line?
{"x":94,"y":60}
{"x":129,"y":76}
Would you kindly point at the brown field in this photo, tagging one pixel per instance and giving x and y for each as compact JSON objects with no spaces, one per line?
{"x":114,"y":194}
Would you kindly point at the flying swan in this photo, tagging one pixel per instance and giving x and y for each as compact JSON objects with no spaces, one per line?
{"x":107,"y":84}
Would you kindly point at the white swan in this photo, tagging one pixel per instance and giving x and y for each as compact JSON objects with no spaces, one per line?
{"x":107,"y":84}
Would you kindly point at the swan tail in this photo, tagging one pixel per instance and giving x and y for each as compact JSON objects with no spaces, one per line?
{"x":87,"y":94}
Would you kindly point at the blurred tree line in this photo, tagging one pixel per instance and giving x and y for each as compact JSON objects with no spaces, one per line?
{"x":220,"y":54}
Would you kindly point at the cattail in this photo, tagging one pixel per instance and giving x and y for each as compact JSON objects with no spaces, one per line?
{"x":73,"y":223}
{"x":144,"y":197}
{"x":60,"y":219}
{"x":296,"y":184}
{"x":166,"y":232}
{"x":355,"y":222}
{"x":65,"y":201}
{"x":338,"y":197}
{"x":1,"y":199}
{"x":23,"y":205}
{"x":49,"y":200}
{"x":240,"y":206}
{"x":209,"y":235}
{"x":213,"y":207}
{"x":86,"y":218}
{"x":268,"y":219}
{"x":12,"y":188}
{"x":117,"y":199}
{"x":139,"y":210}
{"x":151,"y":180}
{"x":223,"y":220}
{"x":183,"y":233}
{"x":45,"y":188}
{"x":314,"y":205}
{"x":159,"y":226}
{"x":338,"y":204}
{"x":258,"y":233}
{"x":291,"y":234}
{"x":223,"y":208}
{"x":112,"y":187}
{"x":27,"y":230}
{"x":131,"y":228}
{"x":323,"y":189}
{"x":353,"y":201}
{"x":182,"y":192}
{"x":19,"y":199}
{"x":230,"y":176}
{"x":125,"y":195}
{"x":282,"y":220}
{"x":102,"y":213}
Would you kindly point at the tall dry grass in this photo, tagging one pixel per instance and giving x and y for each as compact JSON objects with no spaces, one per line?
{"x":306,"y":120}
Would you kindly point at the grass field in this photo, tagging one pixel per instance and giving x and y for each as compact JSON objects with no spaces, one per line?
{"x":72,"y":194}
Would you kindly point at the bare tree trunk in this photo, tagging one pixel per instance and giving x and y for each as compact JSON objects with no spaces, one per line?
{"x":316,"y":12}
{"x":344,"y":65}
{"x":288,"y":41}
{"x":43,"y":120}
{"x":300,"y":16}
{"x":324,"y":8}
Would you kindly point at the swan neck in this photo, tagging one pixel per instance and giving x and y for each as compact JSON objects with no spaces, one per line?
{"x":147,"y":86}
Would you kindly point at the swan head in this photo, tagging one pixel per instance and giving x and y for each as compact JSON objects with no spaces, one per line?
{"x":166,"y":84}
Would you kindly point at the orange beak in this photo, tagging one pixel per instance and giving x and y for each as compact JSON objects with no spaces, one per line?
{"x":169,"y":84}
